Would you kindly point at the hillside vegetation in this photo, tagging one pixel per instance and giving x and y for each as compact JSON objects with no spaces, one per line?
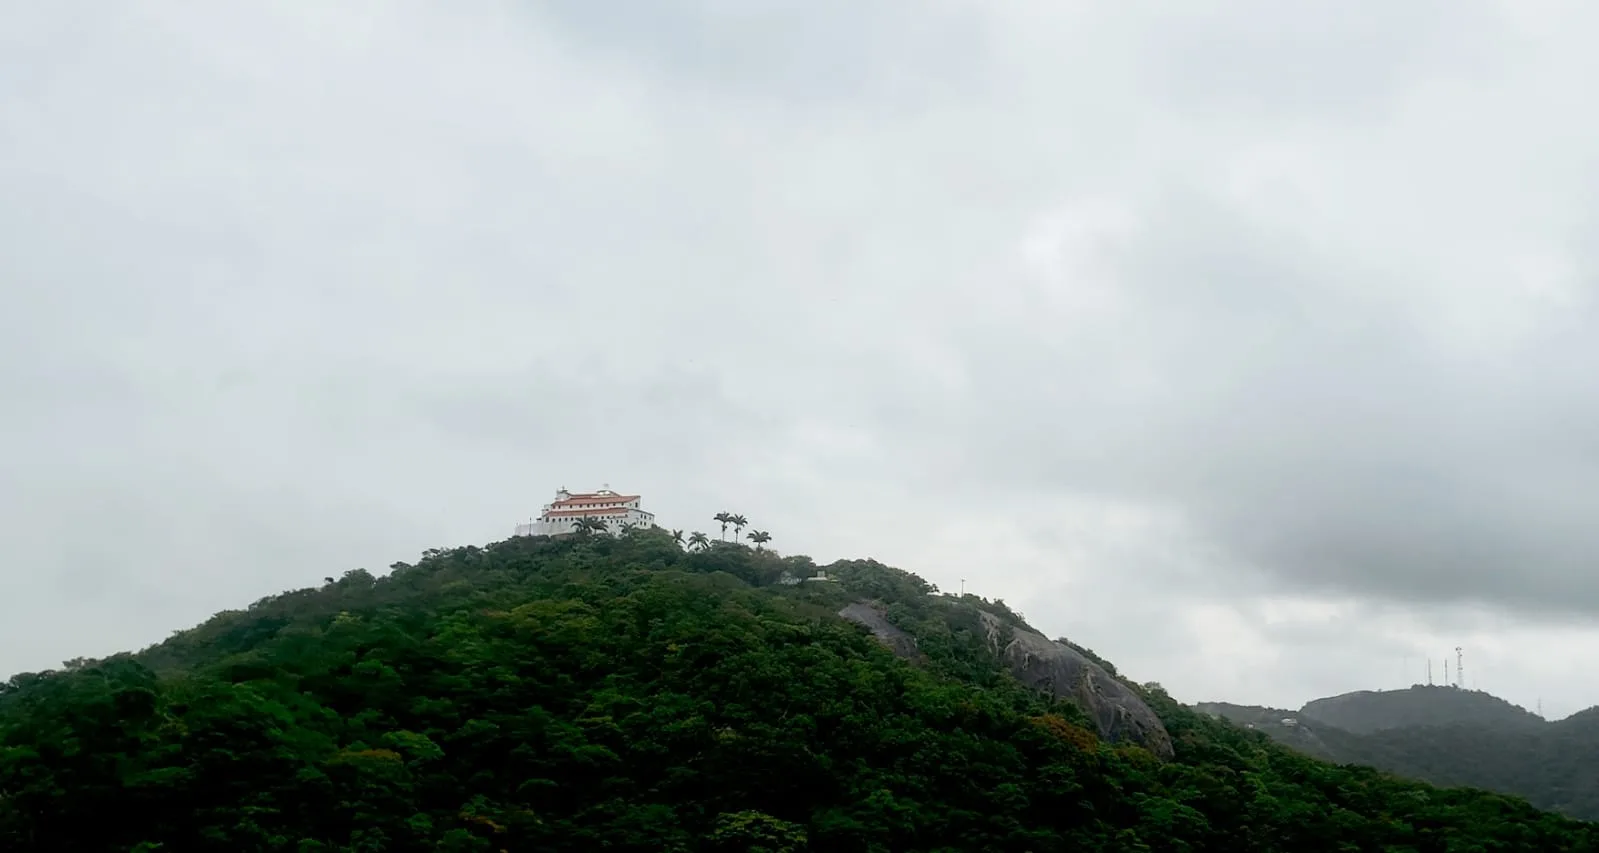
{"x":1448,"y":737}
{"x":628,"y":694}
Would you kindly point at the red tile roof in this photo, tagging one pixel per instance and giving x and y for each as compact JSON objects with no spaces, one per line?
{"x":594,"y":497}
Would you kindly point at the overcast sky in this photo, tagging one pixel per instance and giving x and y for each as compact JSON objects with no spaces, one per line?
{"x":1252,"y":344}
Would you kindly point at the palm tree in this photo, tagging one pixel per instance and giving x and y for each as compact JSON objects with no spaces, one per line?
{"x":699,"y":541}
{"x":677,"y":536}
{"x":738,"y":522}
{"x":589,"y":525}
{"x":627,"y":528}
{"x":725,"y":518}
{"x":760,"y":537}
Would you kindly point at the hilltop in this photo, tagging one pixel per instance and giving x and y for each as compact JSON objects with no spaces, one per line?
{"x":1367,"y":711}
{"x":631,"y":694}
{"x":1447,"y":736}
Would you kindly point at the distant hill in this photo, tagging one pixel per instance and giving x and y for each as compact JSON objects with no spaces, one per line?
{"x":1367,"y":711}
{"x":1245,"y":715}
{"x":1286,"y":727}
{"x":1445,"y":736}
{"x":1555,"y":765}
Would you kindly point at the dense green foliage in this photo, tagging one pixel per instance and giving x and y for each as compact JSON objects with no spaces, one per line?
{"x":625,"y":694}
{"x":1448,"y":737}
{"x":1555,"y":765}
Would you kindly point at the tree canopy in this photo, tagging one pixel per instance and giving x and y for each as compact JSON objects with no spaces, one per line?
{"x":599,"y":693}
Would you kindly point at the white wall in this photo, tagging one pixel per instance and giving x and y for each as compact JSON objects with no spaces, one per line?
{"x":556,"y":526}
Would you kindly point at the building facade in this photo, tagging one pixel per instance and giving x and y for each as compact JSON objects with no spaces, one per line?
{"x":561,"y":515}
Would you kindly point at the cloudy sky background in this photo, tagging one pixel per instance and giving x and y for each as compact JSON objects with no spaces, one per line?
{"x":1252,"y":344}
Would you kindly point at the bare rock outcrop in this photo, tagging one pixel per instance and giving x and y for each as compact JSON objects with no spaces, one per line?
{"x":1063,"y":672}
{"x":889,"y":634}
{"x":1043,"y":664}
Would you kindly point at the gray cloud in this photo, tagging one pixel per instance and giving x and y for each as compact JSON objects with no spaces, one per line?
{"x":1321,"y":60}
{"x":1308,"y":427}
{"x":1134,"y":318}
{"x":801,"y":55}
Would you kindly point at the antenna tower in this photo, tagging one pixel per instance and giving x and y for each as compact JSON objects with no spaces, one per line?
{"x":1460,"y":668}
{"x":1429,"y":672}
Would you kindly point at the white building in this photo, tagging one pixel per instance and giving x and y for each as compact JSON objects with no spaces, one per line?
{"x":561,"y":515}
{"x":790,"y":579}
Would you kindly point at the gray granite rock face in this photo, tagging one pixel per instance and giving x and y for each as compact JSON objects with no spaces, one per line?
{"x":1045,"y":665}
{"x":901,"y":643}
{"x":1061,"y":671}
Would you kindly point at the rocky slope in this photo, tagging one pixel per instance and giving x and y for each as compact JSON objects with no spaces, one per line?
{"x":1045,"y":665}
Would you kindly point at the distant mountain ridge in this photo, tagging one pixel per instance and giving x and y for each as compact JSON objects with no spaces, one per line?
{"x":1282,"y":725}
{"x":1444,"y":735}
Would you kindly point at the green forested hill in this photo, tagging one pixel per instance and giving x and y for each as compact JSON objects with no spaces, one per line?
{"x":1555,"y":765}
{"x":1448,"y":737}
{"x":1368,"y":711}
{"x":625,"y":694}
